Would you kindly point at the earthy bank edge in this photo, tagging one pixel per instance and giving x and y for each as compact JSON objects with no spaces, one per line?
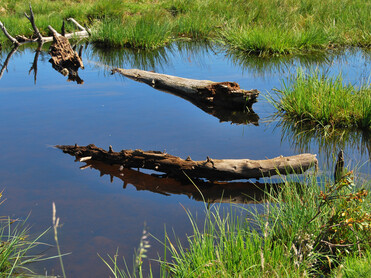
{"x":254,"y":26}
{"x":212,"y":169}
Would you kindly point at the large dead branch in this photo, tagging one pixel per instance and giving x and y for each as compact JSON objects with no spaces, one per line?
{"x":211,"y":192}
{"x":20,"y":39}
{"x":224,"y":94}
{"x":211,"y":169}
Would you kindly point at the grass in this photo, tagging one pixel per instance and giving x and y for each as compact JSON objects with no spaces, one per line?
{"x":18,"y":249}
{"x":319,"y":100}
{"x":262,"y":27}
{"x":312,"y":229}
{"x":355,"y":267}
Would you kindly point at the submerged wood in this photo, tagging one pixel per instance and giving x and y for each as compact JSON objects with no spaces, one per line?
{"x":64,"y":59}
{"x":224,"y":94}
{"x":211,"y":169}
{"x":210,"y":192}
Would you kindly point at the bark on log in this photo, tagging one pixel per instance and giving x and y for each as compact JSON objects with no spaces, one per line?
{"x":211,"y":169}
{"x":64,"y":59}
{"x":211,"y":192}
{"x":225,"y":94}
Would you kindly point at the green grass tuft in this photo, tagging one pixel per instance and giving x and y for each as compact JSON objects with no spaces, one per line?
{"x":261,"y":27}
{"x":317,"y":99}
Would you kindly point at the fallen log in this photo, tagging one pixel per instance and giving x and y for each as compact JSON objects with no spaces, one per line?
{"x":210,"y":192}
{"x":211,"y":169}
{"x":224,"y":94}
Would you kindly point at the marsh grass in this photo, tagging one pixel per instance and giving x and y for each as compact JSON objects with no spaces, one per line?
{"x":18,"y":248}
{"x":137,"y":269}
{"x":144,"y":33}
{"x":312,"y":228}
{"x":316,"y":99}
{"x":289,"y":238}
{"x":355,"y":267}
{"x":262,"y":27}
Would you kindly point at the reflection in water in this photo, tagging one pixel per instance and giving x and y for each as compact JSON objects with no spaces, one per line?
{"x":329,"y":142}
{"x":233,"y":114}
{"x":148,"y":60}
{"x":72,"y":72}
{"x":7,"y":59}
{"x":199,"y":190}
{"x":267,"y":65}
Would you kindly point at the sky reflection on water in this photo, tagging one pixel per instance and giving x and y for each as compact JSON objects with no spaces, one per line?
{"x":97,"y":215}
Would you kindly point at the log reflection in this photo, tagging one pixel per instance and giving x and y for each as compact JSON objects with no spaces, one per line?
{"x":212,"y":192}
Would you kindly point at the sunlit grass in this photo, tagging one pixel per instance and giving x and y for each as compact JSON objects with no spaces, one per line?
{"x":253,"y":26}
{"x":326,"y":101}
{"x":286,"y":238}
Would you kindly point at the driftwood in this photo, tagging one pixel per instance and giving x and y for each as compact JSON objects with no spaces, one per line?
{"x":64,"y":59}
{"x":211,"y":169}
{"x":211,"y":192}
{"x":222,"y":94}
{"x":20,"y":39}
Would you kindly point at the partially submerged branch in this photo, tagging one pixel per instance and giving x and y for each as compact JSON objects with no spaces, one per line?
{"x":211,"y":169}
{"x":222,"y":94}
{"x":13,"y":40}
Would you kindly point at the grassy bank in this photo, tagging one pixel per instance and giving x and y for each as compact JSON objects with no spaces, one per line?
{"x":254,"y":26}
{"x":319,"y":100}
{"x":313,"y":229}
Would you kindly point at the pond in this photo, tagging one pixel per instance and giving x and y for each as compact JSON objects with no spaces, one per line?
{"x":98,"y":214}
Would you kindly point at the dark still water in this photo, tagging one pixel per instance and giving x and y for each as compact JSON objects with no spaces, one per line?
{"x":99,"y":216}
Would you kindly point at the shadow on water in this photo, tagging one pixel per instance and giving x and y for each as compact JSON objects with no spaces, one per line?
{"x":197,"y":189}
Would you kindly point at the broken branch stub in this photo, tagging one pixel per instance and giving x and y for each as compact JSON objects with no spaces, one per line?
{"x":224,"y":94}
{"x":211,"y":169}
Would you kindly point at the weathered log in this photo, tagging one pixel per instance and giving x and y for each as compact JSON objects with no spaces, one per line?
{"x":211,"y":169}
{"x":13,"y":40}
{"x":211,"y":192}
{"x":64,"y":59}
{"x":225,"y":94}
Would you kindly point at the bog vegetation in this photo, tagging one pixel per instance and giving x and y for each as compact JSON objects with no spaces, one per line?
{"x":315,"y":99}
{"x":255,"y":26}
{"x":315,"y":228}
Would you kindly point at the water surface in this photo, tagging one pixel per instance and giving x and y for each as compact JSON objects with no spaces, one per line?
{"x":99,"y":216}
